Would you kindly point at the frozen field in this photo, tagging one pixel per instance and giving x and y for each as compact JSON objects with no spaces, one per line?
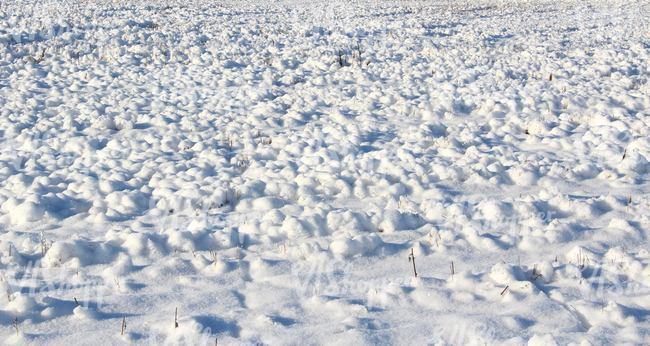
{"x":274,"y":173}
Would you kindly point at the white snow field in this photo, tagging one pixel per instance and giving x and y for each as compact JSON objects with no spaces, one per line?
{"x":274,"y":173}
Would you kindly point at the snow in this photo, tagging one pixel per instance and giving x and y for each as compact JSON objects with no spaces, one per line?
{"x":277,"y":172}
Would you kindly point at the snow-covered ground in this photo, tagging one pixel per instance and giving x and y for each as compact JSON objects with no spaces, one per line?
{"x":274,"y":172}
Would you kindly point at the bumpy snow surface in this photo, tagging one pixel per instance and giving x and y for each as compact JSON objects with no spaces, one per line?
{"x":261,"y":173}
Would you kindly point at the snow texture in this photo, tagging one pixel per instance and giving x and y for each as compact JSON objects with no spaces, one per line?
{"x":275,"y":173}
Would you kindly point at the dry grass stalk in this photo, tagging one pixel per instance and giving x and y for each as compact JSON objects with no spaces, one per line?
{"x":412,"y":259}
